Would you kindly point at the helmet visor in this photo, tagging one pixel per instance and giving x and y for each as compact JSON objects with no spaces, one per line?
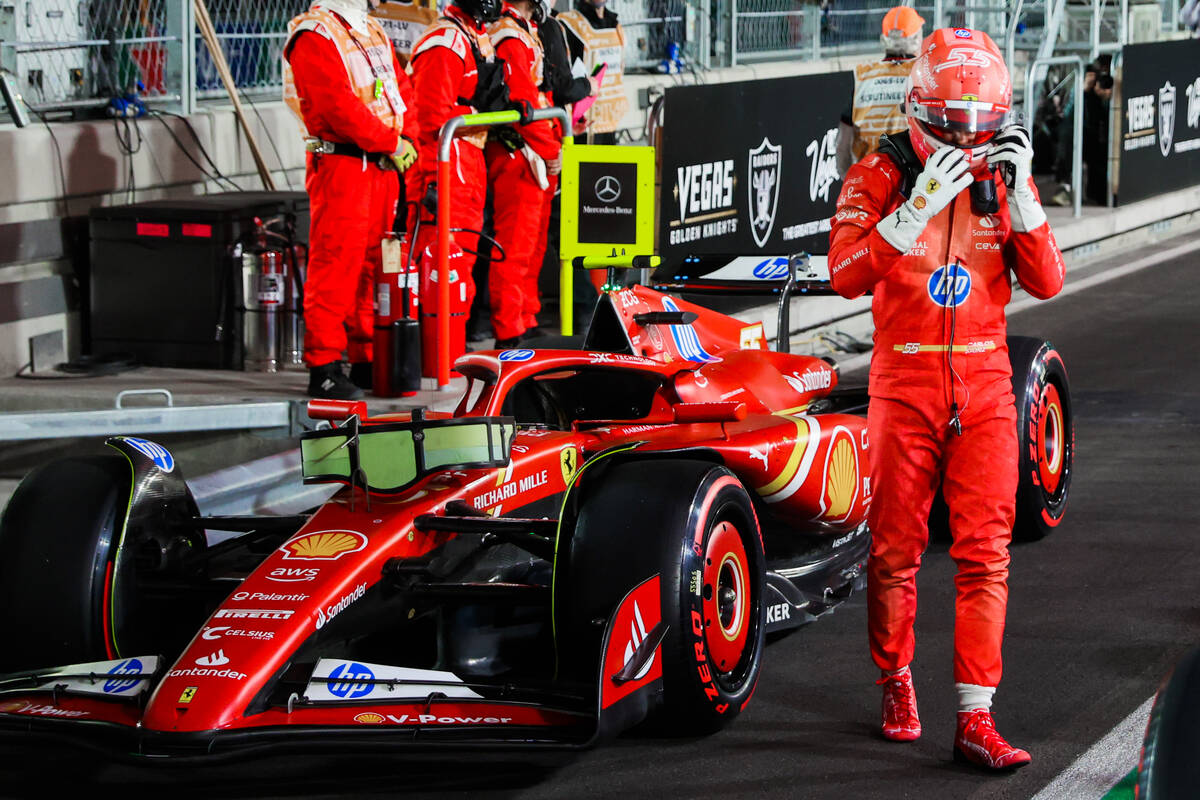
{"x":963,"y":123}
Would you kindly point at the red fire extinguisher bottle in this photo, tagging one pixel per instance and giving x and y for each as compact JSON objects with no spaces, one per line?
{"x":396,"y":370}
{"x":462,"y":292}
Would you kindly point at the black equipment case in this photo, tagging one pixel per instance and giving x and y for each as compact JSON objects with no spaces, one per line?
{"x":163,"y":285}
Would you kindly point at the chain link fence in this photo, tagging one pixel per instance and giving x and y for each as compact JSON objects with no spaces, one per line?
{"x":77,"y":53}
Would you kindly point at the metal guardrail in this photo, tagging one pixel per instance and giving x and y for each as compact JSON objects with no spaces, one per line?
{"x":1031,"y":93}
{"x":70,"y":53}
{"x":24,"y":426}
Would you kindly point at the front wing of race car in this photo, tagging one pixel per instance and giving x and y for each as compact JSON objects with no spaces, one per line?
{"x":99,"y":706}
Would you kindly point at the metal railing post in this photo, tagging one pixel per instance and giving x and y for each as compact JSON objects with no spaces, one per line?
{"x":938,"y":13}
{"x":1031,"y":99}
{"x":181,"y":53}
{"x":1010,"y":37}
{"x":445,"y":141}
{"x":733,"y":35}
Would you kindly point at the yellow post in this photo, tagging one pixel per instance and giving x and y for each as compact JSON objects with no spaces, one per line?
{"x":566,"y":278}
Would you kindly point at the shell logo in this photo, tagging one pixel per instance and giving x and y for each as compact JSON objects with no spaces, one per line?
{"x":369,"y":718}
{"x":6,"y":708}
{"x":323,"y":545}
{"x":841,"y":477}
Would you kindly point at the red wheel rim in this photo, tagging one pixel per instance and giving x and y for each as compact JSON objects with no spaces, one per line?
{"x":726,"y":597}
{"x":1052,"y":440}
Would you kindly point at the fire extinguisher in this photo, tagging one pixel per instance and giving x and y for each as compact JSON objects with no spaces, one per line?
{"x":396,"y":367}
{"x":264,"y":271}
{"x":462,"y":292}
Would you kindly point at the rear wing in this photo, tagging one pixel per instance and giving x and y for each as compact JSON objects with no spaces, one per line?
{"x":782,"y":275}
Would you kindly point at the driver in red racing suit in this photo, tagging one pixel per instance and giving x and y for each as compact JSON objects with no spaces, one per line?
{"x":938,"y":261}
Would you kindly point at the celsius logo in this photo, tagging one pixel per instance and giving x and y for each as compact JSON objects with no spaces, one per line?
{"x":950,"y":285}
{"x":155,"y":452}
{"x":351,"y":681}
{"x":516,"y":355}
{"x":116,"y":685}
{"x":772,"y":269}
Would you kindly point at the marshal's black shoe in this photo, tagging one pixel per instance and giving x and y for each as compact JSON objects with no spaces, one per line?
{"x":327,"y":382}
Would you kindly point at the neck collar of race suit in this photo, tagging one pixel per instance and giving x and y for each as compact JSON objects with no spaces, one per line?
{"x":354,"y":12}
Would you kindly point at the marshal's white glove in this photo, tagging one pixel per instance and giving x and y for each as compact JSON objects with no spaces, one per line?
{"x":944,"y":176}
{"x":1013,"y":154}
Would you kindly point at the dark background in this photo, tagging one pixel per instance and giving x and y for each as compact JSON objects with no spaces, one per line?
{"x":727,"y":121}
{"x":1145,"y":172}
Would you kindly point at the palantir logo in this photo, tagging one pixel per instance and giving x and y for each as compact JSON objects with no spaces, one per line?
{"x":766,"y":165}
{"x":949,"y":286}
{"x":687,"y":341}
{"x":351,"y":681}
{"x":155,"y":452}
{"x":773,"y":269}
{"x":116,"y":685}
{"x":1166,"y":118}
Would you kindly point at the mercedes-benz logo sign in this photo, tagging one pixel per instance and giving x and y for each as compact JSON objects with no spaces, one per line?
{"x":608,"y":189}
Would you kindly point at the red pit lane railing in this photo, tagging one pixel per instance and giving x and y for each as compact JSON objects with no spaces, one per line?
{"x":445,"y":139}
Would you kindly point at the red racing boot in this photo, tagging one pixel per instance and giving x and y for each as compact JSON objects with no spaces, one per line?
{"x":978,"y":742}
{"x":900,"y":720}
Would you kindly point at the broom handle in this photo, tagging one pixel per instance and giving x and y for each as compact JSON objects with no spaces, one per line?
{"x":209,"y":34}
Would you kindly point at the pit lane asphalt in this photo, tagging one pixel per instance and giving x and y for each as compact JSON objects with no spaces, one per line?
{"x":1098,"y":613}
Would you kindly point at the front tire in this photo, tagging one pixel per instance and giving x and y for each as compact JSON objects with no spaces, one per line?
{"x":692,"y":523}
{"x":59,"y":559}
{"x":1045,"y":436}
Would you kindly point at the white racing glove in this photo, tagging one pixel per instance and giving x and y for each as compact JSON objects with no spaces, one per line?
{"x":944,"y":176}
{"x":1013,"y":154}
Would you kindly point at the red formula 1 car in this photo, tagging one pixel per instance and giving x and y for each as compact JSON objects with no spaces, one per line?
{"x":595,"y":537}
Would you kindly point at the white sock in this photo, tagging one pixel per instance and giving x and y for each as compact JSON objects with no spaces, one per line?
{"x":972,"y":696}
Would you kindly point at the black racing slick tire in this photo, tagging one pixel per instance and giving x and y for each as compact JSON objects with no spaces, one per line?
{"x":1169,"y":766}
{"x":59,"y":559}
{"x":692,"y":523}
{"x":1045,"y":436}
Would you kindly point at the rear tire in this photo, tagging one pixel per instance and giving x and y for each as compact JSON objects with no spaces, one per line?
{"x":1045,"y":436}
{"x":59,"y":557}
{"x":692,"y":523}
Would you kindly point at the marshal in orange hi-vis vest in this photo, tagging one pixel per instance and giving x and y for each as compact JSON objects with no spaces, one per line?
{"x":605,"y":46}
{"x":445,"y":33}
{"x":372,"y":77}
{"x":507,"y":27}
{"x":878,"y":99}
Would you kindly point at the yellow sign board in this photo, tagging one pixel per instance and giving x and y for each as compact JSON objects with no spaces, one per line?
{"x":607,"y":201}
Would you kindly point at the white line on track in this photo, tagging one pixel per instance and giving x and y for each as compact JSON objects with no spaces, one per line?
{"x":1109,"y":760}
{"x":1108,"y":275}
